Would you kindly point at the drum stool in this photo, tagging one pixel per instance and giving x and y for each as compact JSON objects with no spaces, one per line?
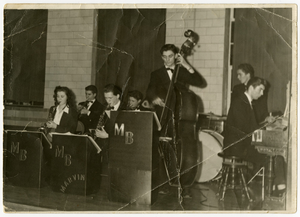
{"x":232,"y":176}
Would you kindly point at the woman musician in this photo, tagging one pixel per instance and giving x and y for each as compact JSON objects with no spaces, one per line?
{"x":62,"y":117}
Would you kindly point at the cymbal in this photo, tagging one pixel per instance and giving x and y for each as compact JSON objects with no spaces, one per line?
{"x":212,"y":116}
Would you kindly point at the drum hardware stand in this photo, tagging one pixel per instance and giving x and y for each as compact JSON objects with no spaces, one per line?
{"x":165,"y":141}
{"x":167,"y":162}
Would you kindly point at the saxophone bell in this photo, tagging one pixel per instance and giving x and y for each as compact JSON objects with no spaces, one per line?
{"x":44,"y":129}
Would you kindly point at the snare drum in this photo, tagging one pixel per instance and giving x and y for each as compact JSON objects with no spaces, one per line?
{"x":210,"y":143}
{"x":211,"y":121}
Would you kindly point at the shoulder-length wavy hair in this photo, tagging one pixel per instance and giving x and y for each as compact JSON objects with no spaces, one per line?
{"x":69,"y":93}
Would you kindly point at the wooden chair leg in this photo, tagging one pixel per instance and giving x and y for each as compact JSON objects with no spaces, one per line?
{"x":221,"y":181}
{"x":225,"y":183}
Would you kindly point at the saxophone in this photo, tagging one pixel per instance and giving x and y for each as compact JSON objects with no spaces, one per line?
{"x":44,"y":129}
{"x":102,"y":120}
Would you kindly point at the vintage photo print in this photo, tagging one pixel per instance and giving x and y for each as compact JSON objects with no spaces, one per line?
{"x":134,"y":108}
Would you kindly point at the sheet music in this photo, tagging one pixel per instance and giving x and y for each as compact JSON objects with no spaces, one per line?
{"x":90,"y":138}
{"x":20,"y":131}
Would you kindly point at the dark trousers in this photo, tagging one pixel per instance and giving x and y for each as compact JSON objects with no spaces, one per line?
{"x":260,"y":160}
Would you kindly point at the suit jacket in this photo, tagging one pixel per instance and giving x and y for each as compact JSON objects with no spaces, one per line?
{"x":160,"y":81}
{"x":103,"y":143}
{"x":240,"y":122}
{"x":68,"y":121}
{"x":260,"y":105}
{"x":90,"y":121}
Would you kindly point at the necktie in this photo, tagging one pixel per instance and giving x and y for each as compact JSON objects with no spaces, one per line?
{"x":172,"y":70}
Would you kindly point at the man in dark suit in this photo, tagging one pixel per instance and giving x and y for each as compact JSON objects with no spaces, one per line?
{"x":160,"y":78}
{"x":241,"y":119}
{"x":244,"y":73}
{"x":112,"y":95}
{"x":134,"y":102}
{"x":158,"y":88}
{"x":241,"y":123}
{"x":91,"y":109}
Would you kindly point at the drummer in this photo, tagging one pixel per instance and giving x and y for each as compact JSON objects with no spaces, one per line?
{"x":135,"y":99}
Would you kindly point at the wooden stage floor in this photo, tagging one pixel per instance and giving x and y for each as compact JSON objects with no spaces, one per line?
{"x":204,"y":199}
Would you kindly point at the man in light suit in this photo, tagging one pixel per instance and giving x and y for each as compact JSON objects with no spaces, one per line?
{"x":91,"y":109}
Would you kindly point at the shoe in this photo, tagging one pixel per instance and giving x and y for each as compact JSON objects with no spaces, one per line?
{"x":164,"y":191}
{"x":279,"y":190}
{"x":187,"y":196}
{"x":278,"y":193}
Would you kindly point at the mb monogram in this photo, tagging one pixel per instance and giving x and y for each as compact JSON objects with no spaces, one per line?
{"x":120,"y":131}
{"x":15,"y":148}
{"x":61,"y":153}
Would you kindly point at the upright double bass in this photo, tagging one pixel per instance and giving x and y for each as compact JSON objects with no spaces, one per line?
{"x":179,"y":116}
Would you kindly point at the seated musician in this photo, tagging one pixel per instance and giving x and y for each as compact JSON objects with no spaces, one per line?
{"x":112,"y":95}
{"x":91,"y":109}
{"x":134,"y":103}
{"x":62,"y":117}
{"x":260,"y":106}
{"x":240,"y":122}
{"x":135,"y":98}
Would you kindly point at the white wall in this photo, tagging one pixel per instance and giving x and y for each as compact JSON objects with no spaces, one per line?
{"x":209,"y":24}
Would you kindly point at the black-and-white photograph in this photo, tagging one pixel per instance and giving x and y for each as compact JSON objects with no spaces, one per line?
{"x":127,"y":108}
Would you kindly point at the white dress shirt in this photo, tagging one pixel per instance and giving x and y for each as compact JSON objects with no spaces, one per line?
{"x":170,"y":72}
{"x":59,"y":114}
{"x":249,"y":98}
{"x":116,"y":107}
{"x":90,"y":104}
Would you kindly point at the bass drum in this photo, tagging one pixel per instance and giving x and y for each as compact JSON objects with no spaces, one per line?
{"x":210,"y":143}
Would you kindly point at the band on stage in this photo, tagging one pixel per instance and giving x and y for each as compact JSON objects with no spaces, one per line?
{"x":170,"y":95}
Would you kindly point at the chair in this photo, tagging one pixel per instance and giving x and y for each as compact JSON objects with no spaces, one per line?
{"x":80,"y":129}
{"x":232,"y":176}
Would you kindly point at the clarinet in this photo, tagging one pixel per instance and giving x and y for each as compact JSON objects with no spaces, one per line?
{"x":83,"y":105}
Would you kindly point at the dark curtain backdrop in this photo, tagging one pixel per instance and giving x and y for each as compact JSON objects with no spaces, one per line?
{"x":263,"y":38}
{"x":128,"y":47}
{"x":25,"y":34}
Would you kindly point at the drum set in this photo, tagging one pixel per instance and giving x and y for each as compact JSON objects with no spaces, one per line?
{"x":210,"y":143}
